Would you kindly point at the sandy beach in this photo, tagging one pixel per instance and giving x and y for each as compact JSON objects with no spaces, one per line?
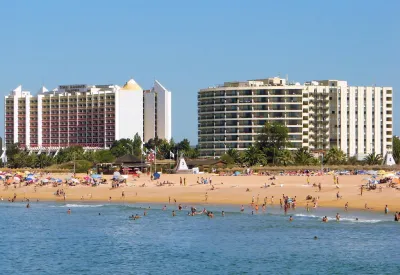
{"x":228,"y":190}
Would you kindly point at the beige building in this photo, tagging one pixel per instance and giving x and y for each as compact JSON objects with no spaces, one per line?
{"x":318,"y":114}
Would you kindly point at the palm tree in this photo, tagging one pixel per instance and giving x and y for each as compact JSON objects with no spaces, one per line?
{"x":234,"y":154}
{"x":335,"y":156}
{"x":253,"y":156}
{"x":303,"y":157}
{"x":373,"y":159}
{"x":285,"y":158}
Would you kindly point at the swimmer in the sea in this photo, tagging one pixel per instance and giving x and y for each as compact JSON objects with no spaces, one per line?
{"x":173,"y":213}
{"x":290,"y":218}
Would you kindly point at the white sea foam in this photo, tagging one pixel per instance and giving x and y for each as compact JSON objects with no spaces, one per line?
{"x":81,"y":205}
{"x":305,"y":215}
{"x":347,"y":219}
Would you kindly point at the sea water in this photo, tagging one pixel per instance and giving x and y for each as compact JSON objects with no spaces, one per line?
{"x":101,"y":239}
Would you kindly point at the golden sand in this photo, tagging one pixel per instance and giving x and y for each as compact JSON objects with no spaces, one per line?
{"x":228,"y":190}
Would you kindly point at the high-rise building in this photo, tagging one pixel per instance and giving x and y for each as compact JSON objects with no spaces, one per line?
{"x":85,"y":115}
{"x":157,"y":113}
{"x":319,"y":115}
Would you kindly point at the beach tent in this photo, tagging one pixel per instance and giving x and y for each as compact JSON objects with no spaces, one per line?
{"x":237,"y":173}
{"x":156,"y":176}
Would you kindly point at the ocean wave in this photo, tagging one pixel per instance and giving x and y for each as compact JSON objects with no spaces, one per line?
{"x":81,"y":205}
{"x":344,"y":219}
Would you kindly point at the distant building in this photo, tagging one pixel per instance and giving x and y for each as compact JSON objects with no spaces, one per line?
{"x":92,"y":116}
{"x":157,"y":113}
{"x":318,"y":114}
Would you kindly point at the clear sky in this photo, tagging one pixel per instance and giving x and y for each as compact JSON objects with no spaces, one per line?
{"x":188,"y":45}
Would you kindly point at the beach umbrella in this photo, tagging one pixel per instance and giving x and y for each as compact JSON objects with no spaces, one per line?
{"x":45,"y":181}
{"x":389,"y":175}
{"x":17,"y":179}
{"x":381,"y":172}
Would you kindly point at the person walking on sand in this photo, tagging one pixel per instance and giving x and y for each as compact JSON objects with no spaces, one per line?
{"x":123,"y":195}
{"x":319,"y":187}
{"x":272,"y":200}
{"x":180,"y":180}
{"x":362,"y":188}
{"x":206,"y":196}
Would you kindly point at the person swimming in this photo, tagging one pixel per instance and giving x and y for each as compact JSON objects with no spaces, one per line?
{"x":290,"y":218}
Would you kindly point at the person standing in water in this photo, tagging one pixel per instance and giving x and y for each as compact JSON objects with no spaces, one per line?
{"x":386,"y":209}
{"x":173,"y":213}
{"x":290,"y":218}
{"x":242,"y":208}
{"x":307,"y":208}
{"x":346,"y":206}
{"x":223,"y":213}
{"x":69,"y":211}
{"x":337,"y":217}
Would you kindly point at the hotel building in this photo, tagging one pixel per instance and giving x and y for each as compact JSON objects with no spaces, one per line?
{"x":85,"y":115}
{"x":157,"y":113}
{"x":318,"y":114}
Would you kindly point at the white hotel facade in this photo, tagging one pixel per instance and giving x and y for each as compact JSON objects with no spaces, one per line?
{"x":92,"y":116}
{"x":319,"y":115}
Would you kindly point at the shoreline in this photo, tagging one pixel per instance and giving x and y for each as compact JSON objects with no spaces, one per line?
{"x":301,"y":207}
{"x":228,"y":190}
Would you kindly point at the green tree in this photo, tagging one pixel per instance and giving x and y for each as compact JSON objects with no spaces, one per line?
{"x":43,"y":160}
{"x":103,"y":156}
{"x":373,"y":159}
{"x":127,"y":146}
{"x":284,"y":157}
{"x":396,"y":149}
{"x":273,"y":138}
{"x":183,"y":146}
{"x":353,"y":160}
{"x":335,"y":156}
{"x":227,"y":158}
{"x":253,"y":156}
{"x":69,"y":154}
{"x":303,"y":157}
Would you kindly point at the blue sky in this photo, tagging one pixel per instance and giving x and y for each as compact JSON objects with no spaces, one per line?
{"x":188,"y":45}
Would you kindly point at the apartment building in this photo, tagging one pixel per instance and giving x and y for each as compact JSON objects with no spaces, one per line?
{"x":157,"y":112}
{"x":92,"y":116}
{"x":319,"y":115}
